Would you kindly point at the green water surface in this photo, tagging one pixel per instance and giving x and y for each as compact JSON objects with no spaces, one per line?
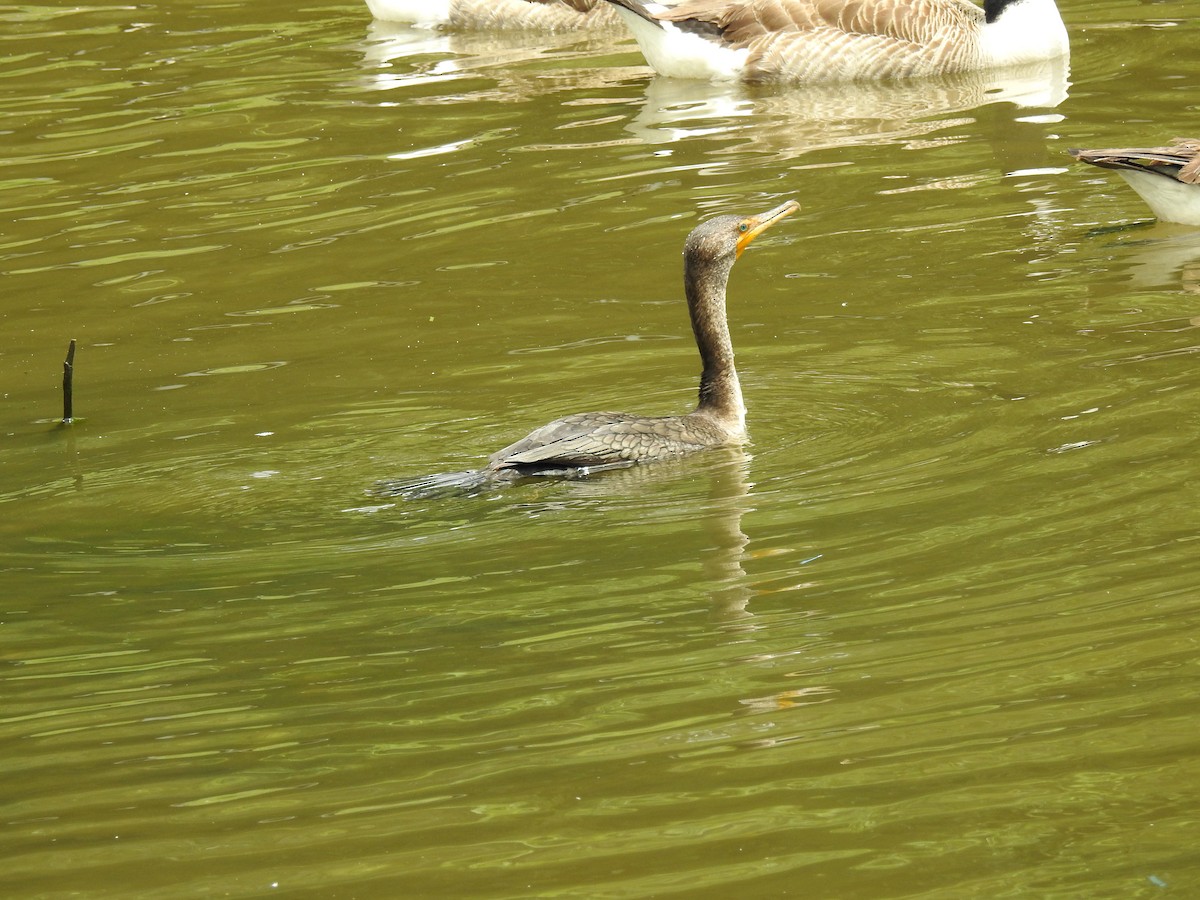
{"x":932,"y":634}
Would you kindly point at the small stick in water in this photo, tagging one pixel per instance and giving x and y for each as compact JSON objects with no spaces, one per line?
{"x":68,"y":384}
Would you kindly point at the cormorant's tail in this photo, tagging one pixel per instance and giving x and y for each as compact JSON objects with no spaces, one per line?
{"x":445,"y":484}
{"x":473,"y":481}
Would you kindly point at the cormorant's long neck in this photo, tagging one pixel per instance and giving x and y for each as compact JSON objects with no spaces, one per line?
{"x":720,"y":392}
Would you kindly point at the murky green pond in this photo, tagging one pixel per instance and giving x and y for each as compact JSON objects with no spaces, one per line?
{"x":934,"y":634}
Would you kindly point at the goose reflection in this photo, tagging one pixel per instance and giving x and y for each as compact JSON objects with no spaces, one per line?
{"x":787,"y":122}
{"x":1154,"y":256}
{"x":533,"y":15}
{"x":1171,"y":261}
{"x":396,"y":56}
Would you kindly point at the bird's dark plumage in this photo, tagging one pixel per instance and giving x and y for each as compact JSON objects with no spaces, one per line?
{"x":587,"y":441}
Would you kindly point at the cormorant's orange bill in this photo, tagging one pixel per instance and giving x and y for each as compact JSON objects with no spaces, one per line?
{"x":752,"y":226}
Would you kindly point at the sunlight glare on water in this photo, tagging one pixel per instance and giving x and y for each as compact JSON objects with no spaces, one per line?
{"x":927,"y":635}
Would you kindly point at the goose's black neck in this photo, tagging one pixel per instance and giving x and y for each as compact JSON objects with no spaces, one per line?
{"x":993,"y":9}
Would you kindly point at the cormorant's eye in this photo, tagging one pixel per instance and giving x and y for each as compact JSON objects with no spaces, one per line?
{"x":743,"y":228}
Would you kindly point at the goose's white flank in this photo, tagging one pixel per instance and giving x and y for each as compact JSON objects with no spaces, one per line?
{"x":1167,"y":178}
{"x":841,"y":40}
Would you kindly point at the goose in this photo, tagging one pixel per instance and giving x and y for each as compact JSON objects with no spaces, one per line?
{"x":841,"y":40}
{"x":543,"y":15}
{"x":1167,"y":178}
{"x":578,"y":444}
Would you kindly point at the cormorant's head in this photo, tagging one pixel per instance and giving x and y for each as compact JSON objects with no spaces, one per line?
{"x":725,"y":236}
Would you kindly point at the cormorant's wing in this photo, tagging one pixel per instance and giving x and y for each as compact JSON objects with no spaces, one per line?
{"x":598,"y":439}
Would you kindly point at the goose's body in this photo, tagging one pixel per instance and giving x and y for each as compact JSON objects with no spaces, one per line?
{"x":841,"y":40}
{"x":543,"y":15}
{"x":578,"y":443}
{"x":1167,"y":178}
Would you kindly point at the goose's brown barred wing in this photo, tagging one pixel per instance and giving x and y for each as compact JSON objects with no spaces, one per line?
{"x":906,"y":21}
{"x":842,"y":40}
{"x":582,"y":6}
{"x":813,"y":40}
{"x":911,"y":21}
{"x":1180,"y":161}
{"x":551,"y":15}
{"x":1189,"y":173}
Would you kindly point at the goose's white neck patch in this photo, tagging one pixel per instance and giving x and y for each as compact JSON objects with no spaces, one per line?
{"x":427,"y":13}
{"x":676,"y":53}
{"x":1027,"y":31}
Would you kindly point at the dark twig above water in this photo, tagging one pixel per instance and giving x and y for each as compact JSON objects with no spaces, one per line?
{"x":69,"y":385}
